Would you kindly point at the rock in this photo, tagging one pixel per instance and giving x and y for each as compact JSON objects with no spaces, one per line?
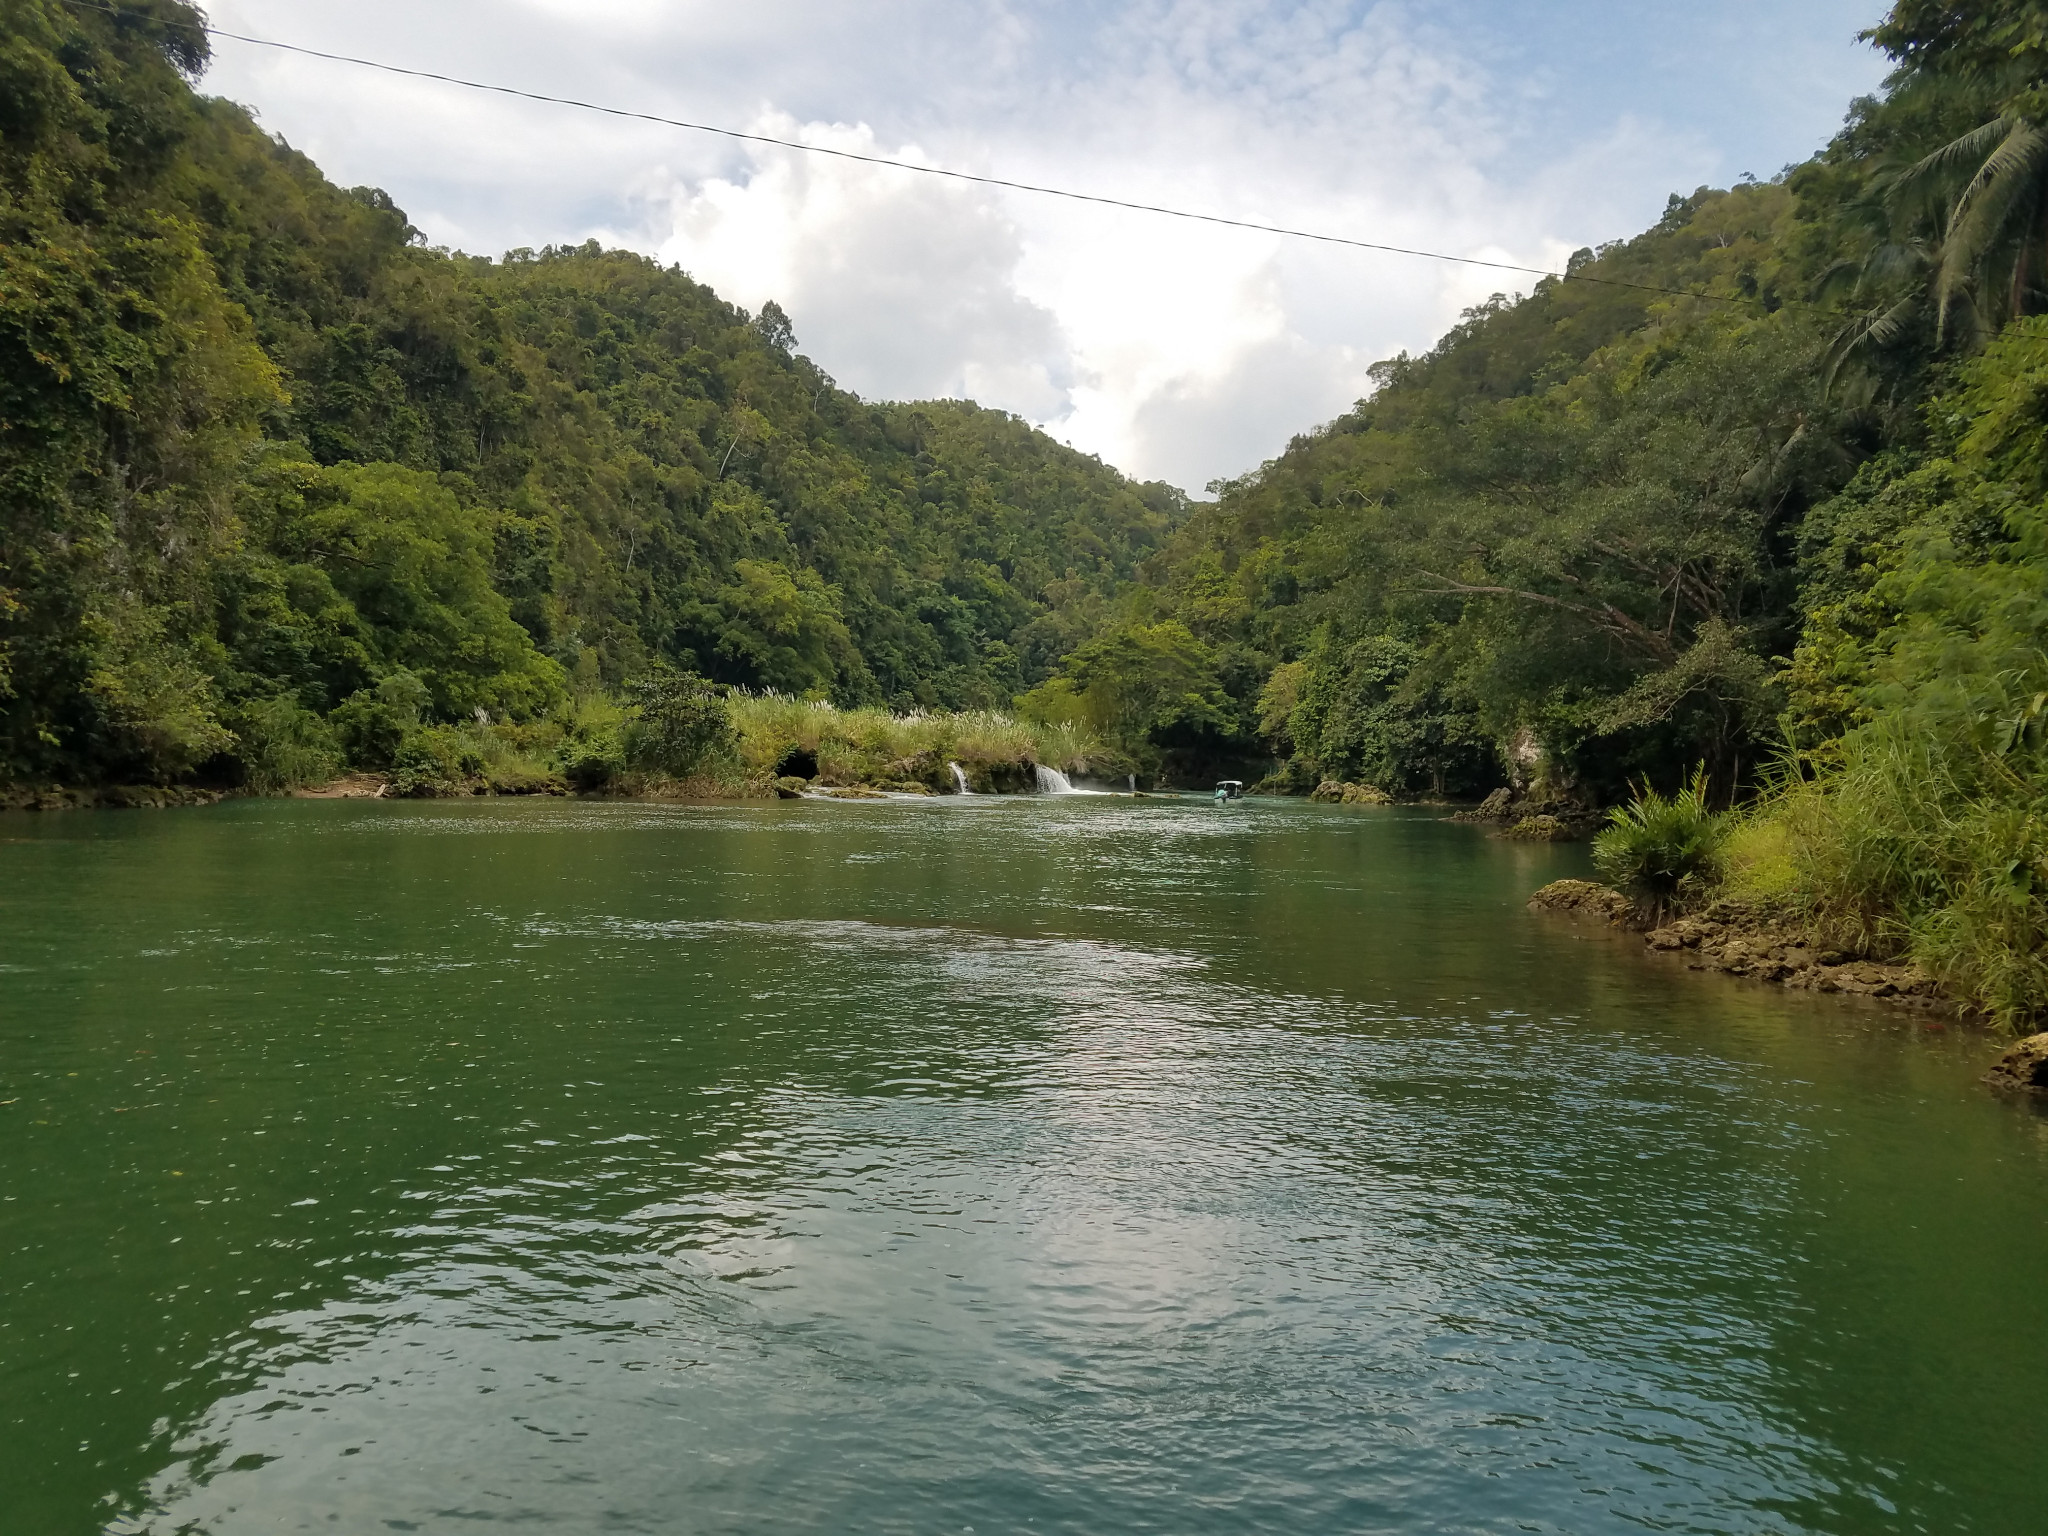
{"x":1694,"y":931}
{"x":2025,"y":1066}
{"x":1539,"y":829}
{"x":1583,"y":896}
{"x":790,"y":787}
{"x":1743,"y":939}
{"x":1495,"y":806}
{"x":1336,"y":792}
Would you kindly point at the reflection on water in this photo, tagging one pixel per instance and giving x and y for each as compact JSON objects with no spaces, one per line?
{"x":1068,"y":1166}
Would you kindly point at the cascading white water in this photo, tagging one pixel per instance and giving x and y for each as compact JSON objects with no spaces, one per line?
{"x":959,"y":779}
{"x":1052,"y":782}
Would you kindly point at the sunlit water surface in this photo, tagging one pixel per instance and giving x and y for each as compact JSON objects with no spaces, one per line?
{"x":1062,"y":1165}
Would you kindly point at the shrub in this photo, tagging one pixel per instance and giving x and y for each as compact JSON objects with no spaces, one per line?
{"x":1661,"y":847}
{"x":372,"y":723}
{"x":437,"y":760}
{"x":591,"y":765}
{"x":283,"y":745}
{"x":679,"y":724}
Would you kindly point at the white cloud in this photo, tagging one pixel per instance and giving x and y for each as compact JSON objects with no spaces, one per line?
{"x":1172,"y":349}
{"x":905,"y":285}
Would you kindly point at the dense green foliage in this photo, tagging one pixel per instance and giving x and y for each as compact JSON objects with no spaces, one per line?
{"x":270,"y":466}
{"x":1927,"y":830}
{"x":1575,"y":523}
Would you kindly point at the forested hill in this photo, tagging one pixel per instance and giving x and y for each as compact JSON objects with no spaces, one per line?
{"x":1576,"y":524}
{"x":1651,"y":516}
{"x":258,"y":444}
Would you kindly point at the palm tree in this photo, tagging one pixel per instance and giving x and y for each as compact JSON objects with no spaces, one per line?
{"x":1994,"y":247}
{"x":1959,"y":236}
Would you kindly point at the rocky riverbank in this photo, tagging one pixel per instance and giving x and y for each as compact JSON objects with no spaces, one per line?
{"x":150,"y":797}
{"x":1534,"y":818}
{"x":1739,"y":939}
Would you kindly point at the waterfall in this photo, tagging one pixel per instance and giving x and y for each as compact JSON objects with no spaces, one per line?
{"x":1052,"y":782}
{"x":959,"y":779}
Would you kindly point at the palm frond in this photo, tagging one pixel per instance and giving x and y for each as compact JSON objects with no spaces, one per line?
{"x":1867,"y":333}
{"x":1965,"y":152}
{"x":2005,"y":189}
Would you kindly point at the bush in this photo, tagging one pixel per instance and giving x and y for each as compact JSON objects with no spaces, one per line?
{"x":590,"y":766}
{"x":438,"y":760}
{"x":1661,"y":848}
{"x":282,"y":745}
{"x":373,"y":723}
{"x":678,"y":725}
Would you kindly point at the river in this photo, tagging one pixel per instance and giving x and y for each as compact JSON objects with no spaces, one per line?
{"x":1063,"y":1164}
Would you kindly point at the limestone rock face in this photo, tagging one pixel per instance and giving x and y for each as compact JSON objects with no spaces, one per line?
{"x":2024,"y":1066}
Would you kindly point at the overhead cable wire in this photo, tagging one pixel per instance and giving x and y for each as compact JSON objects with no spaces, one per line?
{"x":1035,"y":188}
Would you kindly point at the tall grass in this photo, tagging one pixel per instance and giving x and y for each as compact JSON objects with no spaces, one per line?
{"x":1923,"y":846}
{"x":858,"y":746}
{"x":458,"y":759}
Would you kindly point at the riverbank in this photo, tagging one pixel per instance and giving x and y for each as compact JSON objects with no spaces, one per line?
{"x":55,"y":797}
{"x":1745,"y":939}
{"x":1737,"y":938}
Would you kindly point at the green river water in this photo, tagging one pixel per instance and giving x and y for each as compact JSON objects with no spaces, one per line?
{"x":1049,"y":1164}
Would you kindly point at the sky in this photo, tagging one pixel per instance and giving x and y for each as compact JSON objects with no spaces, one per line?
{"x":1509,"y":130}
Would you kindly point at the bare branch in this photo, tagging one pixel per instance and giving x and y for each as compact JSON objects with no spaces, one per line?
{"x":1606,"y":617}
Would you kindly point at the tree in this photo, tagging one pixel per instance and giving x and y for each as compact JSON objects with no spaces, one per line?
{"x":1142,"y":688}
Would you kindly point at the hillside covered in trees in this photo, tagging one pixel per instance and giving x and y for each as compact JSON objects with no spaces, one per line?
{"x":1624,"y":529}
{"x":268,"y":461}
